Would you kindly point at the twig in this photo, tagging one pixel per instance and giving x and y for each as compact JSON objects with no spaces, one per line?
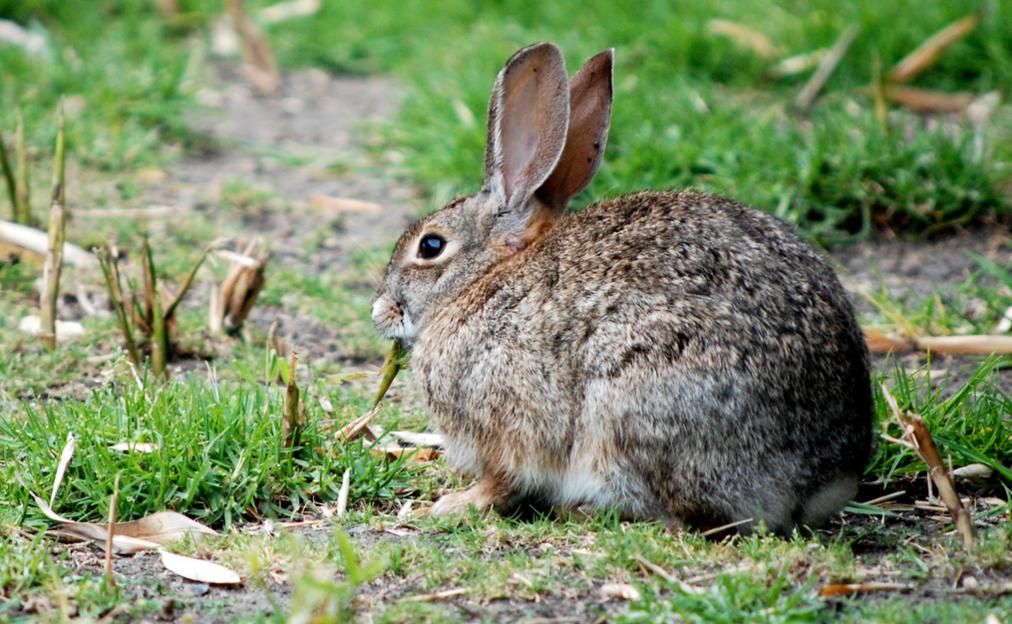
{"x":916,"y":431}
{"x":724,"y":527}
{"x":443,"y":595}
{"x":825,"y":70}
{"x":53,"y":265}
{"x":37,"y":241}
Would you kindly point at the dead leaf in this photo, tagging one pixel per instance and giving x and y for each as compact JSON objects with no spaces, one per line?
{"x":798,"y":63}
{"x":849,"y":589}
{"x":287,"y":10}
{"x":928,"y":101}
{"x":134,"y":447}
{"x":973,"y":472}
{"x":392,"y":450}
{"x":420,"y":439}
{"x":199,"y":570}
{"x":61,"y":468}
{"x":925,"y":54}
{"x":623,"y":591}
{"x":343,"y":205}
{"x":342,"y":495}
{"x":744,"y":36}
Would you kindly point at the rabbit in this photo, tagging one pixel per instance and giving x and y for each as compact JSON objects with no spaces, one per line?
{"x":674,"y":356}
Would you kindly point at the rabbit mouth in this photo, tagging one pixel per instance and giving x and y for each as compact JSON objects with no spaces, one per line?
{"x":391,"y":319}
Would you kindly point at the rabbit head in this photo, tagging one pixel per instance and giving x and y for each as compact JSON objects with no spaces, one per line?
{"x":546,"y":139}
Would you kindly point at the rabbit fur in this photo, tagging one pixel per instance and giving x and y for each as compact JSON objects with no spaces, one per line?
{"x":672,"y":355}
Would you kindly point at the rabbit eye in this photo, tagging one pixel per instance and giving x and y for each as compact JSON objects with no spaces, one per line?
{"x":431,"y":246}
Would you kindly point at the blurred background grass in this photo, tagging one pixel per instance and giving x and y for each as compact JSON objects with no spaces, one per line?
{"x":692,"y":108}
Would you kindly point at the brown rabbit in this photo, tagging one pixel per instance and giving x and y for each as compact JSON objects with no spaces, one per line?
{"x":670,"y":354}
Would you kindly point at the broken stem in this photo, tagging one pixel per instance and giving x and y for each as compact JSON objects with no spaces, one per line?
{"x":109,"y":269}
{"x":159,"y":333}
{"x":53,"y":265}
{"x":916,"y":431}
{"x":22,"y":208}
{"x":8,"y":174}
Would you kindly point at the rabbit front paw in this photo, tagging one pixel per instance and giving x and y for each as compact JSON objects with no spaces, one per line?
{"x":483,"y":495}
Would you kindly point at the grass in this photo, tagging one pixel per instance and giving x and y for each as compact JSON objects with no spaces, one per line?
{"x":691,"y":109}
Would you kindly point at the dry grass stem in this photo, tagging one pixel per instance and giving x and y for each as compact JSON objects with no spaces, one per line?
{"x":925,"y":54}
{"x":258,"y":58}
{"x":980,"y":344}
{"x":442,"y":595}
{"x":239,"y":291}
{"x":918,"y":435}
{"x":826,"y":68}
{"x":53,"y":265}
{"x":849,"y":589}
{"x":725,"y":527}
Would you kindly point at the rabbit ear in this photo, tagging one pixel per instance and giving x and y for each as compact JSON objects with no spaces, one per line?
{"x":590,"y":97}
{"x":528,"y":114}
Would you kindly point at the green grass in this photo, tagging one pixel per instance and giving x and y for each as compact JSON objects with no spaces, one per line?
{"x":835,"y":173}
{"x":693,"y":109}
{"x":219,"y":453}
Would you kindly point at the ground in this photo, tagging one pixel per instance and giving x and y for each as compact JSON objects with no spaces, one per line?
{"x":264,"y":166}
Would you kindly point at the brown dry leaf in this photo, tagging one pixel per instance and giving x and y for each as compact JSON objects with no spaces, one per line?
{"x":744,"y":36}
{"x":925,"y":54}
{"x":928,"y":101}
{"x":61,"y":468}
{"x":849,"y":589}
{"x":134,"y":447}
{"x":163,"y":527}
{"x":623,"y":591}
{"x":342,"y":205}
{"x":148,"y":533}
{"x":199,"y":570}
